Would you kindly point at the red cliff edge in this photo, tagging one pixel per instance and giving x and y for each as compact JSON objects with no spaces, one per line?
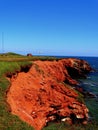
{"x":41,"y":95}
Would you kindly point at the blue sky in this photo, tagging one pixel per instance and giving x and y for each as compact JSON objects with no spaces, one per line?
{"x":50,"y":27}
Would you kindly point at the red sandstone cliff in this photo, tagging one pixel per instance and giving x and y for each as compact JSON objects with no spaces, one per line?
{"x":40,"y":95}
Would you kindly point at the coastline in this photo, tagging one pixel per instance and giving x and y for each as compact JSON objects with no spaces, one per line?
{"x":13,"y":68}
{"x":49,"y":77}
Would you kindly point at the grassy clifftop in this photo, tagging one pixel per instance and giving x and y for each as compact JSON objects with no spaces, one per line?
{"x":17,"y":57}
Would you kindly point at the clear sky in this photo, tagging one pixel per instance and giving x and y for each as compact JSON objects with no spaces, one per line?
{"x":50,"y":27}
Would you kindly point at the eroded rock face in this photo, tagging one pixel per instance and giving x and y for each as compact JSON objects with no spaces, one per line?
{"x":40,"y":95}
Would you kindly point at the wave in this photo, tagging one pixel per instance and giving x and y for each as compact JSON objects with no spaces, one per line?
{"x":90,"y":84}
{"x":88,"y":77}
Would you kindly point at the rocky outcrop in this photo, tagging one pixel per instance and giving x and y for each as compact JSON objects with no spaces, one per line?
{"x":41,"y":95}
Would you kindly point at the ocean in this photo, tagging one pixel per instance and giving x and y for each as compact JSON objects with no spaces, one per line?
{"x":90,"y":84}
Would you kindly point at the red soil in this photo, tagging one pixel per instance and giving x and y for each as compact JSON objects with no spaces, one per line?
{"x":40,"y":96}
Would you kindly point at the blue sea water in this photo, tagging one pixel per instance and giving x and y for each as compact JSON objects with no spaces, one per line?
{"x":91,"y":85}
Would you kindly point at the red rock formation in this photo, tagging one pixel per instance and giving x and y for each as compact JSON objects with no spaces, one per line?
{"x":40,"y":95}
